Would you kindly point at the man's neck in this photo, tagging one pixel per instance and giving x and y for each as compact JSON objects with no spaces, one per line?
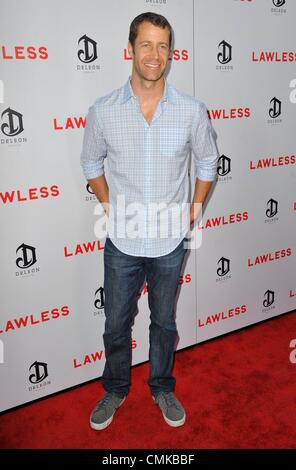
{"x":147,"y":90}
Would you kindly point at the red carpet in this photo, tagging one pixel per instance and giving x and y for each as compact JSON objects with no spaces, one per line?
{"x":238,"y":391}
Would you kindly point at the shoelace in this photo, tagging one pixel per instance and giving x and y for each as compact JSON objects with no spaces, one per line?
{"x":170,"y":400}
{"x":105,"y":400}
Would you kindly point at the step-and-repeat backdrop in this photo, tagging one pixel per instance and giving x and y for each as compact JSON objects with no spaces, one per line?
{"x":238,"y":57}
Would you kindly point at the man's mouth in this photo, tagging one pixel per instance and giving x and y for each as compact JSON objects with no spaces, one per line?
{"x":152,"y":66}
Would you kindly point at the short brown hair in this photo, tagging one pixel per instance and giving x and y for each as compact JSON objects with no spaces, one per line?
{"x":150,"y":17}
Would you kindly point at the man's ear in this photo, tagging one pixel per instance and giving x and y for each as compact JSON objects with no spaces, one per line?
{"x":130,"y":49}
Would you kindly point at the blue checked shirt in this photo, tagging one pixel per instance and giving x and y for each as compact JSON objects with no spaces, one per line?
{"x":147,"y":165}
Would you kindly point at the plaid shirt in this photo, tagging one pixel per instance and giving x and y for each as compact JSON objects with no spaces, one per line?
{"x":147,"y":164}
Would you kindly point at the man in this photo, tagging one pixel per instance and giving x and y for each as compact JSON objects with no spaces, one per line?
{"x":145,"y":130}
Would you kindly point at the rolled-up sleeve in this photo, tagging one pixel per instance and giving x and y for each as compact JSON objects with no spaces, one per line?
{"x":203,"y":146}
{"x":94,"y":148}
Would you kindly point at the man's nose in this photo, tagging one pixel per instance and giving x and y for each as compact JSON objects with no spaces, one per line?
{"x":155,"y":52}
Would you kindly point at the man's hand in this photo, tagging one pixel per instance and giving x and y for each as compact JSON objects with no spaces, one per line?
{"x":195,"y":211}
{"x":201,"y":191}
{"x":106,"y":208}
{"x":100,"y":188}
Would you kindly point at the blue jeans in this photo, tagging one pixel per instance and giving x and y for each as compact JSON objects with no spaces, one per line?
{"x":124,"y":276}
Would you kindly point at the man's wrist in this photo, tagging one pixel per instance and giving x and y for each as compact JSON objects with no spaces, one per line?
{"x":105,"y":207}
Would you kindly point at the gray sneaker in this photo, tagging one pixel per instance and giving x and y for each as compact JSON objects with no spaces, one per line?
{"x":172,"y":410}
{"x":104,"y":411}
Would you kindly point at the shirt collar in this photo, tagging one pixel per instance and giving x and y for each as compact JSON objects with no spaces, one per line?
{"x":128,"y":92}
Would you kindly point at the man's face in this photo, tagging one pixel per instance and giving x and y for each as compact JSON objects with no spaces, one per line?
{"x":151,"y":51}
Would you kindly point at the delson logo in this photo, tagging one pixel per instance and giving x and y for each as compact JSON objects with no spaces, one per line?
{"x":223,"y":269}
{"x":223,"y":169}
{"x":28,"y":256}
{"x":278,"y":4}
{"x":90,"y":191}
{"x":276,"y":108}
{"x":26,"y":259}
{"x":224,"y":56}
{"x":12,"y":125}
{"x":268,"y":301}
{"x":99,"y":302}
{"x":156,"y":2}
{"x":87,"y":53}
{"x":39,"y":374}
{"x":271,"y":211}
{"x":275,"y":111}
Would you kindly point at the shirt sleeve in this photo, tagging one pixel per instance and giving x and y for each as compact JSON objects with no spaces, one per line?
{"x":203,"y":146}
{"x":94,"y":148}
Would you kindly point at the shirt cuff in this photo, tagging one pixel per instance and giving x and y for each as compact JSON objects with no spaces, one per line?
{"x":206,"y":175}
{"x":92,"y":170}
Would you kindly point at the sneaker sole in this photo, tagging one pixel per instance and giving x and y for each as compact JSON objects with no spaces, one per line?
{"x":174,"y":424}
{"x":99,"y":427}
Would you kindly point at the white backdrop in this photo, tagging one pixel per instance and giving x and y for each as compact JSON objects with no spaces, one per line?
{"x":237,"y":56}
